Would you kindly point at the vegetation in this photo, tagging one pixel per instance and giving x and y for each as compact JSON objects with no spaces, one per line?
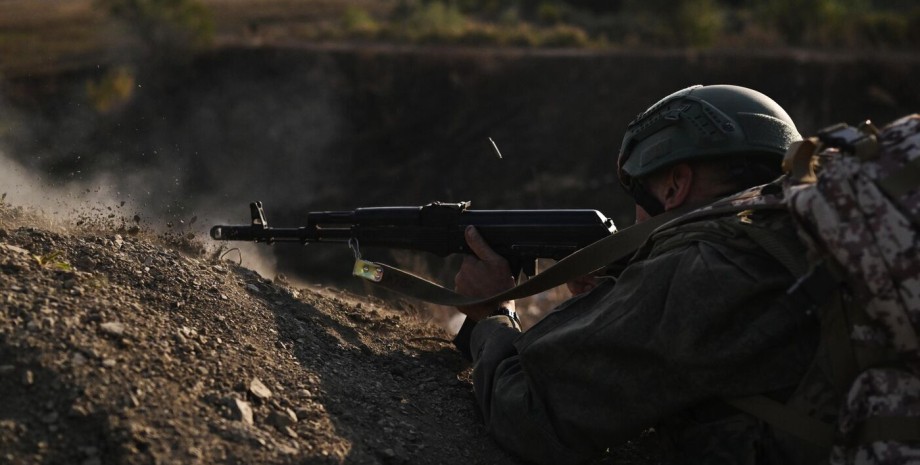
{"x":889,"y":24}
{"x":112,"y":90}
{"x":164,"y":24}
{"x":73,"y":33}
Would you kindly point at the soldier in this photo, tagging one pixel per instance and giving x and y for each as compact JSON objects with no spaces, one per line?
{"x":699,"y":315}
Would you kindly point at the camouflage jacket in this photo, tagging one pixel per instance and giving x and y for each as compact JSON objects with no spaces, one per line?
{"x":697,"y":317}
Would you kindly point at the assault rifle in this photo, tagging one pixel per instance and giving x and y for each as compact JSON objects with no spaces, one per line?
{"x":521,"y":236}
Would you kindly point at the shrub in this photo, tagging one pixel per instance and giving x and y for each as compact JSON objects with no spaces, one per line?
{"x":356,"y":21}
{"x":697,"y":23}
{"x":686,"y":23}
{"x":112,"y":90}
{"x":564,"y":36}
{"x":804,"y":22}
{"x":164,"y":23}
{"x":549,"y":12}
{"x":435,"y":21}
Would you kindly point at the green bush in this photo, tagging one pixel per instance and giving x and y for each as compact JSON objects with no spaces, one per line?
{"x":165,"y":23}
{"x":682,"y":23}
{"x":811,"y":22}
{"x":564,"y":36}
{"x":112,"y":90}
{"x":549,"y":12}
{"x":481,"y":34}
{"x":358,"y":22}
{"x":435,"y":21}
{"x":697,"y":23}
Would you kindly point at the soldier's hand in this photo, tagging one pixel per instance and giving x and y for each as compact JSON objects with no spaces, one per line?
{"x":582,"y":284}
{"x":482,"y":275}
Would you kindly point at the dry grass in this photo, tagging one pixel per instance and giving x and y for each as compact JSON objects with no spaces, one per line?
{"x":278,"y":18}
{"x":48,"y":35}
{"x":45,"y":36}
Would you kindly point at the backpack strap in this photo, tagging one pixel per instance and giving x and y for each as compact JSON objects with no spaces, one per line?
{"x":813,"y":287}
{"x":778,"y":249}
{"x":786,"y":418}
{"x":887,"y":429}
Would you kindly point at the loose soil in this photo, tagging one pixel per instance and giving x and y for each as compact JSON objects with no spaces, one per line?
{"x":119,"y":346}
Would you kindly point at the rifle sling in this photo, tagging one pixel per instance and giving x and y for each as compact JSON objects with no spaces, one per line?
{"x":584,"y":261}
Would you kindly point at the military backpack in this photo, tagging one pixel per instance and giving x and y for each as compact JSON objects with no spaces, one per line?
{"x":854,"y":194}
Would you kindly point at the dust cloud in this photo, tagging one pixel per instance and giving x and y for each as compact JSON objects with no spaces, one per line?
{"x":176,"y":175}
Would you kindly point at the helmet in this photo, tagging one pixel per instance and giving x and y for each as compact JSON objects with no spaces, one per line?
{"x":704,"y":122}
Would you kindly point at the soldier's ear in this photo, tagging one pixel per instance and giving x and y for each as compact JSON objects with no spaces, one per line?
{"x":678,"y":186}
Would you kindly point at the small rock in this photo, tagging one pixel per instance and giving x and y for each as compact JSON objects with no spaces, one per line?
{"x":109,"y":362}
{"x":28,"y":378}
{"x":240,"y":410}
{"x":118,"y":241}
{"x":85,"y":263}
{"x":113,"y":328}
{"x":252,"y":287}
{"x":259,"y":389}
{"x":77,"y":411}
{"x":78,"y":360}
{"x":283,"y":419}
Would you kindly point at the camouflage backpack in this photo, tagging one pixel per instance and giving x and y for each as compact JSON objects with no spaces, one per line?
{"x":860,"y":217}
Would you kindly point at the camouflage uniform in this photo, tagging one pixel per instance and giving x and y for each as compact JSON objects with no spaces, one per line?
{"x":697,"y":317}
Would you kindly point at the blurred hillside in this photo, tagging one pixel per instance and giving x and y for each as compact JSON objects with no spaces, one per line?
{"x":41,"y":35}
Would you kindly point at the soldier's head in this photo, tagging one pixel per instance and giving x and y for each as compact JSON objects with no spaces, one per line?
{"x":702,"y":143}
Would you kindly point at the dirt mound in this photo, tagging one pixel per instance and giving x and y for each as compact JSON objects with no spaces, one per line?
{"x":119,"y":348}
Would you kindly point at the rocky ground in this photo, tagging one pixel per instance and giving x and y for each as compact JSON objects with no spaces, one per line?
{"x":123,"y":347}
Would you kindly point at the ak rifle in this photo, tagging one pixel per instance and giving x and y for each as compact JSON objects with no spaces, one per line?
{"x":521,"y":236}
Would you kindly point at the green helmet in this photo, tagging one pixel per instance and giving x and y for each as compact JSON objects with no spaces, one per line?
{"x":704,"y":122}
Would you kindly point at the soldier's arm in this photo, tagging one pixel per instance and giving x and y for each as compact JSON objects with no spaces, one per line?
{"x":693,"y":325}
